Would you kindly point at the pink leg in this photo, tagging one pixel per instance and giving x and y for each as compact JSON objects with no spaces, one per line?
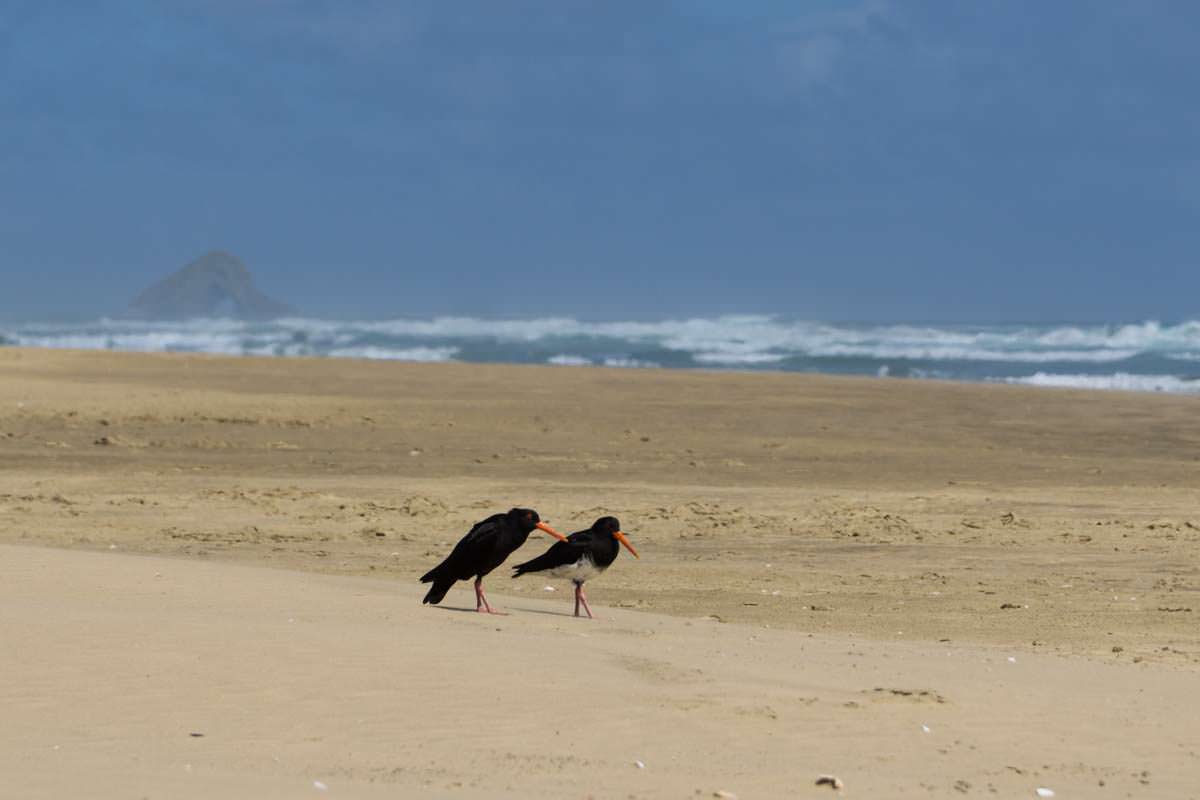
{"x":481,"y":603}
{"x":580,"y":597}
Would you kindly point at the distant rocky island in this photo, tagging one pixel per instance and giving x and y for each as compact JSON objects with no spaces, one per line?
{"x":215,"y":285}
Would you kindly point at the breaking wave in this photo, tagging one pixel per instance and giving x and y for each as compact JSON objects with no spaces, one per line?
{"x":1121,"y":381}
{"x":1147,"y":355}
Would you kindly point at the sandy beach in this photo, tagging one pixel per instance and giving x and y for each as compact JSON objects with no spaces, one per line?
{"x":924,"y":588}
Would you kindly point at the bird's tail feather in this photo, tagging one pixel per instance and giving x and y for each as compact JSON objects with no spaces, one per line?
{"x":441,"y":583}
{"x":438,"y":590}
{"x":539,"y":563}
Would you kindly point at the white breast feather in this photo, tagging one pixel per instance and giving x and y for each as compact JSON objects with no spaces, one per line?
{"x":582,"y":570}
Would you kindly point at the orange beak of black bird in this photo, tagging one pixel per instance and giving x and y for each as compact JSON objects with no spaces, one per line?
{"x":541,"y":526}
{"x":625,"y":541}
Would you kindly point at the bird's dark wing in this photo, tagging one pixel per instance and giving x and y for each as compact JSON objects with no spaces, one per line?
{"x":573,"y":548}
{"x":484,"y":529}
{"x":470,"y":550}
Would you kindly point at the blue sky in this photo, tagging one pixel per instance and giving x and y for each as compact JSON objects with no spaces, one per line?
{"x":835,"y":160}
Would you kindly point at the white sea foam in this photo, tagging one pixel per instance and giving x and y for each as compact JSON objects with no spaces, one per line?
{"x":429,"y":354}
{"x":564,"y":360}
{"x":732,"y":358}
{"x":1122,"y":381}
{"x":147,"y":341}
{"x":630,"y":363}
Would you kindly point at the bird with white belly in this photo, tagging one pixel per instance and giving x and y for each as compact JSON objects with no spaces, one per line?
{"x":581,"y":556}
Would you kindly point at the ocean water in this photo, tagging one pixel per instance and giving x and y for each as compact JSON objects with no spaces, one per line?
{"x":1143,"y":356}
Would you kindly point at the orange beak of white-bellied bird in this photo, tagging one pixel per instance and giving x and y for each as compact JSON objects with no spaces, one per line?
{"x":581,"y":556}
{"x":485,"y":547}
{"x":623,"y":539}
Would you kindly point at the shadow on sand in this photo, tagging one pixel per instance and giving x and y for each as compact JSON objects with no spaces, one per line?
{"x":508,"y":611}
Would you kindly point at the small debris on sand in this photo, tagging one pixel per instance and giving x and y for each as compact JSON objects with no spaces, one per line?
{"x":832,"y":781}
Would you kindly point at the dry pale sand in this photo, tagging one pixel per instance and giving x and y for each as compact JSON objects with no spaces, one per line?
{"x":150,"y":677}
{"x":829,"y":564}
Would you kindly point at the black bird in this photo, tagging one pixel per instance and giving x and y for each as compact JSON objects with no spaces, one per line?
{"x":482,"y":550}
{"x":580,"y":556}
